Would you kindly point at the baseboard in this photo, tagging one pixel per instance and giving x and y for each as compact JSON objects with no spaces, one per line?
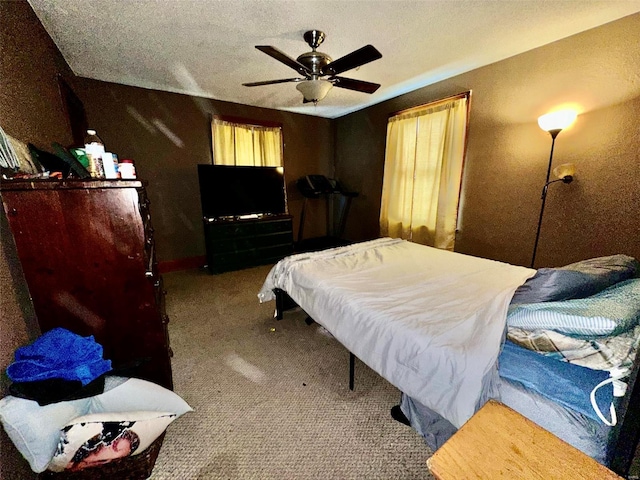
{"x":182,"y":264}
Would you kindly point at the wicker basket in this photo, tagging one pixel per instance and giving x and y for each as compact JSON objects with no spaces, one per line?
{"x":137,"y":467}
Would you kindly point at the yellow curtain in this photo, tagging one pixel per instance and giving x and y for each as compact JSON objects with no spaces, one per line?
{"x":240,"y":144}
{"x":422,"y":173}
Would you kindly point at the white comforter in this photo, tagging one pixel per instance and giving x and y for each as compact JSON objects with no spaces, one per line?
{"x":429,"y":321}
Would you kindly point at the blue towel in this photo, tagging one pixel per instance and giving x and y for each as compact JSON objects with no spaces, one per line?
{"x":564,"y":383}
{"x":61,"y":354}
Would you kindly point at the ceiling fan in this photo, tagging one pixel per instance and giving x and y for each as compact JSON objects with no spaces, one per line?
{"x":319,"y":72}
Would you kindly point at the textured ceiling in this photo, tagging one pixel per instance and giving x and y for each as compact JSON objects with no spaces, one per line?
{"x":206,"y":47}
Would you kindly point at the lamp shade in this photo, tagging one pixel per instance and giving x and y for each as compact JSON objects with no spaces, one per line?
{"x":557,"y":120}
{"x":314,"y":90}
{"x":565,"y":170}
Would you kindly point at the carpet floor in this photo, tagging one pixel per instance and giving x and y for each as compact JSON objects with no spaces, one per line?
{"x":271,"y":398}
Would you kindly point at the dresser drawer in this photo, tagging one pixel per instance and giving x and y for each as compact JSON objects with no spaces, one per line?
{"x":264,"y":228}
{"x":278,"y":238}
{"x":232,"y":245}
{"x":229,"y":230}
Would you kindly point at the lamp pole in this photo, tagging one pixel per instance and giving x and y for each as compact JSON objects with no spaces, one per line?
{"x":554,"y":133}
{"x":553,"y":123}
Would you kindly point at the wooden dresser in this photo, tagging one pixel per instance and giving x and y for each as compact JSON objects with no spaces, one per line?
{"x":87,"y":252}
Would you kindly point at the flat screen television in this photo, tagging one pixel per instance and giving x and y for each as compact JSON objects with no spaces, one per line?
{"x":229,"y":191}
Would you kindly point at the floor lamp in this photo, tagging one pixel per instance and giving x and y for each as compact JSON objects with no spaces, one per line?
{"x":554,"y":123}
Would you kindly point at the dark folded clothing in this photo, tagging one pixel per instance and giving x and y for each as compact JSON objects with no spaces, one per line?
{"x":54,"y":390}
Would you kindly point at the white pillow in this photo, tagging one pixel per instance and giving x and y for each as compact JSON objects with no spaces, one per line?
{"x":35,"y":430}
{"x":137,"y":395}
{"x":99,"y":438}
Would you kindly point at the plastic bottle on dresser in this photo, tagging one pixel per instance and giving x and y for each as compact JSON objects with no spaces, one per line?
{"x":126,"y":169}
{"x":94,"y":148}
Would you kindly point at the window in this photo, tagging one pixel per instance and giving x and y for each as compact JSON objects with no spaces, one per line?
{"x":423,"y":171}
{"x":246,"y":143}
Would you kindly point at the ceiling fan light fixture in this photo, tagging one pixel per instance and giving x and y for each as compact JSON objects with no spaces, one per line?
{"x":314,"y":65}
{"x":314,"y":90}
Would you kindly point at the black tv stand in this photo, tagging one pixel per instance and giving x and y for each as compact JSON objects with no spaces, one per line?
{"x":235,"y":243}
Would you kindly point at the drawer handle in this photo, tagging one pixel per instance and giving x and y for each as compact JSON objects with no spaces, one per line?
{"x":150,"y":269}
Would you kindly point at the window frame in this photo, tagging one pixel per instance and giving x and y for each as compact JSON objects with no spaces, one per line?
{"x":250,"y":122}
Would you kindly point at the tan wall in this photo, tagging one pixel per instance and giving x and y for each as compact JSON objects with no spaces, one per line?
{"x":168,"y":134}
{"x":31,"y":110}
{"x":18,"y":327}
{"x":508,"y":153}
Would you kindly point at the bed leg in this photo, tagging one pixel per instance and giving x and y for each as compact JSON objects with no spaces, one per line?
{"x":279,"y":302}
{"x":352,"y":363}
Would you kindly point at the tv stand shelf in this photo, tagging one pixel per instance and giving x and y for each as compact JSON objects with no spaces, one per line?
{"x":243,"y":243}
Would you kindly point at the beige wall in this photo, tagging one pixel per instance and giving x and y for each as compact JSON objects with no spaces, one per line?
{"x":30,"y":109}
{"x":168,"y":134}
{"x":18,"y":327}
{"x":508,"y":153}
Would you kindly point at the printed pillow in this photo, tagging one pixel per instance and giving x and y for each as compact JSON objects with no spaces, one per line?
{"x":35,"y":429}
{"x":610,"y":312}
{"x":99,"y":438}
{"x":577,"y":280}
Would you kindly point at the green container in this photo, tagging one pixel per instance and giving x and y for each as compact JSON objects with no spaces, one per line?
{"x":81,"y":156}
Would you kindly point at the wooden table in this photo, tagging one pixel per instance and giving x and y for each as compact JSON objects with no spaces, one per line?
{"x":498,"y":442}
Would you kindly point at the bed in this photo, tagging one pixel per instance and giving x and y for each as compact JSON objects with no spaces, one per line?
{"x":433,"y":323}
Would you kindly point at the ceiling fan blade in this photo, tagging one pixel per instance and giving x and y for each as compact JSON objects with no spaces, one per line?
{"x":363,"y":55}
{"x":358,"y":85}
{"x":284,"y":58}
{"x":270,"y":82}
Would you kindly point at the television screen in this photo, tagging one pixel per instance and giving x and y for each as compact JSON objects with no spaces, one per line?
{"x":233,"y":191}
